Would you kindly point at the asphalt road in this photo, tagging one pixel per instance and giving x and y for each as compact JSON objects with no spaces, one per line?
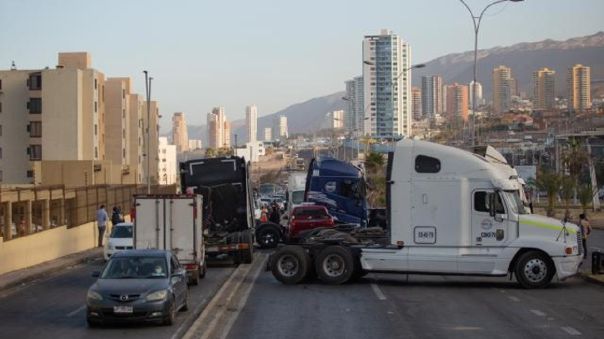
{"x":397,"y":306}
{"x":55,"y":308}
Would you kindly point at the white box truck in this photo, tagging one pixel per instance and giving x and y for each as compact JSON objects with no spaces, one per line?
{"x":450,"y":212}
{"x":174,"y":223}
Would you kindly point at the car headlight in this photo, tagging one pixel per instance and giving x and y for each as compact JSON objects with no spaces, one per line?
{"x":157,"y":295}
{"x":92,"y":295}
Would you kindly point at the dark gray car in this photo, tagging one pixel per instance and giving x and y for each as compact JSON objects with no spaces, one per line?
{"x":138,"y":285}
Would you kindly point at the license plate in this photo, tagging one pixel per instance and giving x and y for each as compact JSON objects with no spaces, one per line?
{"x":122,"y":309}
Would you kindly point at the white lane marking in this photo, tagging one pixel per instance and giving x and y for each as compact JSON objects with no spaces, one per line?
{"x":378,"y":292}
{"x":514,"y":299}
{"x":243,"y":300}
{"x":570,"y":330}
{"x":538,"y":313}
{"x":72,"y":313}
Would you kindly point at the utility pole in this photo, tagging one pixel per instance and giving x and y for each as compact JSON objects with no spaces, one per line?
{"x":148,"y":92}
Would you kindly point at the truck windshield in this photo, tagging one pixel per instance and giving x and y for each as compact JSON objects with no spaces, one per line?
{"x":516,"y":205}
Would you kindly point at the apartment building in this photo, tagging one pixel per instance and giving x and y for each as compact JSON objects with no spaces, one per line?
{"x":180,"y":136}
{"x":387,"y":85}
{"x":251,"y":122}
{"x":544,"y":89}
{"x":579,"y":86}
{"x":168,"y":169}
{"x":50,"y":115}
{"x":150,"y":164}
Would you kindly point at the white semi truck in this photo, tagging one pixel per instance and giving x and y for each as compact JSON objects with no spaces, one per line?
{"x":173,"y":223}
{"x":450,"y":212}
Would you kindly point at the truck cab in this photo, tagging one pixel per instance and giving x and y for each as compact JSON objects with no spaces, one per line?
{"x":454,"y":212}
{"x":340,"y":187}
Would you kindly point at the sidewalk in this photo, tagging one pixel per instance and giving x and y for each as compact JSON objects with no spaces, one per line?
{"x":22,"y":276}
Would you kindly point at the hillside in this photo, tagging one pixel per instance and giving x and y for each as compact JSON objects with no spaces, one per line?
{"x":524,"y":59}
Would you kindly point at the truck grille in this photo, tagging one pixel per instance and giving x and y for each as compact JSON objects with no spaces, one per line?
{"x":580,"y":242}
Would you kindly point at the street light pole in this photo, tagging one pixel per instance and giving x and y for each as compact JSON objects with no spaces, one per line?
{"x":476,"y":21}
{"x":148,"y":92}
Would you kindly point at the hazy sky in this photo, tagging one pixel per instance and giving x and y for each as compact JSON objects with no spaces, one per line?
{"x":270,"y":52}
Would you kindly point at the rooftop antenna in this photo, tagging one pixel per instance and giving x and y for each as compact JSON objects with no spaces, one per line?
{"x":13,"y":67}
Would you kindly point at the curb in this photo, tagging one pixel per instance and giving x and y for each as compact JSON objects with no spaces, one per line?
{"x":592,"y":279}
{"x":47,"y":272}
{"x":188,"y":322}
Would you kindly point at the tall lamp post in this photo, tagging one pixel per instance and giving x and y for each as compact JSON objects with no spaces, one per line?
{"x":476,"y":21}
{"x":148,"y":93}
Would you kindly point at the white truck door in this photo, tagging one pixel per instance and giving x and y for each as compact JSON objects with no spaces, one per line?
{"x":149,"y":226}
{"x":180,"y":219}
{"x":489,"y":234}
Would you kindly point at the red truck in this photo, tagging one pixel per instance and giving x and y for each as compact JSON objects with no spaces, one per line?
{"x":308,"y":217}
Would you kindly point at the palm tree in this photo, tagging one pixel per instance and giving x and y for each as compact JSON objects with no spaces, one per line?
{"x":586,"y":194}
{"x":567,"y":191}
{"x":549,"y":182}
{"x":574,"y":159}
{"x":374,"y":162}
{"x":210,"y":153}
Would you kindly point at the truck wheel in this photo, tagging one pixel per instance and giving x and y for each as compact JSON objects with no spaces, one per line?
{"x":195,"y":278}
{"x":268,"y":237}
{"x":290,"y":264}
{"x":534,"y":270}
{"x":247,"y":255}
{"x":203,"y":270}
{"x":334,"y":265}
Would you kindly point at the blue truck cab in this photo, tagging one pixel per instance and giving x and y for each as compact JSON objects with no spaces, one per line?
{"x":340,"y":187}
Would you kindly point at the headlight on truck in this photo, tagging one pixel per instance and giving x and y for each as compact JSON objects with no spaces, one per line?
{"x":92,"y":295}
{"x":157,"y":295}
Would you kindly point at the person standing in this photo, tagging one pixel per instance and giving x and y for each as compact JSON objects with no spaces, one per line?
{"x":101,"y":222}
{"x":585,"y":231}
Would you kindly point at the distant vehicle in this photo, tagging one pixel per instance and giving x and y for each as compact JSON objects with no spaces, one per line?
{"x":300,"y":164}
{"x":308,"y":217}
{"x":120,"y":239}
{"x":173,"y":223}
{"x":295,"y":190}
{"x":138,"y":285}
{"x":268,"y":189}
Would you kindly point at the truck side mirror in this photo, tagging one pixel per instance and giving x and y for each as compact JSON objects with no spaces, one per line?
{"x":492,"y":204}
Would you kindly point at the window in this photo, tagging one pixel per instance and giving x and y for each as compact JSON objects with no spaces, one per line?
{"x":0,"y":152}
{"x":35,"y":105}
{"x":95,"y":129}
{"x":95,"y":106}
{"x":0,"y":83}
{"x":35,"y":129}
{"x":123,"y":93}
{"x":96,"y":152}
{"x":426,"y":164}
{"x":95,"y":84}
{"x":0,"y":130}
{"x":481,"y":202}
{"x":0,"y":106}
{"x":35,"y":152}
{"x":0,"y":175}
{"x":35,"y":82}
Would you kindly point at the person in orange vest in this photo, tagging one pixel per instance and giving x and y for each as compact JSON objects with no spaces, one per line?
{"x":264,"y":214}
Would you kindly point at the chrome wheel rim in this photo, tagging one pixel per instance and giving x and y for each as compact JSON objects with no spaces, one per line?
{"x":334,"y":265}
{"x":535,"y":270}
{"x":288,"y":265}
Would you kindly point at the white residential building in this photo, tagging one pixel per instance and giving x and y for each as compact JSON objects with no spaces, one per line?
{"x":194,"y":144}
{"x":387,"y":85}
{"x":355,"y":110}
{"x":268,"y":134}
{"x":168,"y":169}
{"x":251,"y":121}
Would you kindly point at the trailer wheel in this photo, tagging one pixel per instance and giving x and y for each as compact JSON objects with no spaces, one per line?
{"x":290,"y":264}
{"x":194,"y":280}
{"x":268,"y":237}
{"x":335,"y":265}
{"x":534,"y":270}
{"x":203,"y":270}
